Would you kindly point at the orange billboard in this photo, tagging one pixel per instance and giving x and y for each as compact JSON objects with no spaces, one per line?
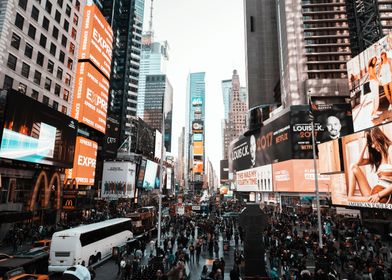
{"x":197,"y":166}
{"x":91,"y":97}
{"x":198,"y":148}
{"x":96,"y":40}
{"x":84,"y":162}
{"x":297,"y":175}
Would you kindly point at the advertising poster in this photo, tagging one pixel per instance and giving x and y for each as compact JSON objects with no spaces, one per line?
{"x":330,"y":157}
{"x":90,"y":102}
{"x":158,"y":144}
{"x":118,"y":180}
{"x":298,"y":176}
{"x":370,"y":84}
{"x":198,"y":148}
{"x":224,"y":170}
{"x":38,"y":135}
{"x":112,"y":135}
{"x":197,"y":126}
{"x":368,"y":168}
{"x":169,"y":173}
{"x":197,"y":137}
{"x":96,"y":40}
{"x":257,"y":179}
{"x":197,"y":166}
{"x":142,"y":170}
{"x":84,"y":162}
{"x":150,"y":175}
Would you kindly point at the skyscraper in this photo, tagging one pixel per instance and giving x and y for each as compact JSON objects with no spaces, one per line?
{"x":126,"y":19}
{"x":153,"y":61}
{"x":313,"y":48}
{"x":194,"y":130}
{"x":159,"y":94}
{"x":39,"y":47}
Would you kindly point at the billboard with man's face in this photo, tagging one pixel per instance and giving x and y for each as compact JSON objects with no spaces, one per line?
{"x":370,"y":84}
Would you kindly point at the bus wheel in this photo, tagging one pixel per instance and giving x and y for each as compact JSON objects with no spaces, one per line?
{"x":91,"y":260}
{"x":98,"y":257}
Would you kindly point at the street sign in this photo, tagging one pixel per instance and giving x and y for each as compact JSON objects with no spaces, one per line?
{"x":196,"y":208}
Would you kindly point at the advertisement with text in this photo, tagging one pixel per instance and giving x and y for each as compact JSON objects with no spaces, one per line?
{"x":198,"y":148}
{"x":84,"y":162}
{"x":150,"y":175}
{"x":96,"y":40}
{"x":118,"y":180}
{"x":370,"y":84}
{"x":90,"y":102}
{"x":257,"y":179}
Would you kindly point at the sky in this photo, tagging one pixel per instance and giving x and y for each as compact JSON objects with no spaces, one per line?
{"x":203,"y":36}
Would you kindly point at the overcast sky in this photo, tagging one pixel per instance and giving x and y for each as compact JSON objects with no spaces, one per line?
{"x":204,"y":36}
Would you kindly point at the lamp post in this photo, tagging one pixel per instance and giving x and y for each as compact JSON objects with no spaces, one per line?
{"x":316,"y":176}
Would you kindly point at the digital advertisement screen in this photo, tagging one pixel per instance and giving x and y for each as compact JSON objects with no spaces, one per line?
{"x":370,"y":82}
{"x":197,"y":166}
{"x":97,"y":39}
{"x":140,"y":177}
{"x":118,"y":180}
{"x":150,"y":175}
{"x":197,"y":137}
{"x":198,"y":148}
{"x":38,"y":135}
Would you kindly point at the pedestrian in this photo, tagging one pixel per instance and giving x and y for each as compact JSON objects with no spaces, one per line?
{"x":204,"y":273}
{"x":192,"y":253}
{"x":235,"y":273}
{"x":216,"y":249}
{"x":198,"y":252}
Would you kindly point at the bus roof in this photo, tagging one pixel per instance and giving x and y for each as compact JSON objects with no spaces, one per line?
{"x":86,"y":228}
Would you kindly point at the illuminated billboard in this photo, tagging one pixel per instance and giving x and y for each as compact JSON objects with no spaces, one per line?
{"x":298,"y":176}
{"x":197,"y":137}
{"x":97,"y":40}
{"x":370,"y":84}
{"x":257,"y":179}
{"x":85,"y":162}
{"x":118,"y":180}
{"x":91,"y":97}
{"x":197,"y":166}
{"x":198,"y":148}
{"x":197,"y":101}
{"x":197,"y":126}
{"x":33,"y":132}
{"x":150,"y":175}
{"x":367,"y":180}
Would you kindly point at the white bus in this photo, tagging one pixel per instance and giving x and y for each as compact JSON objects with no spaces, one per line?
{"x":88,"y":244}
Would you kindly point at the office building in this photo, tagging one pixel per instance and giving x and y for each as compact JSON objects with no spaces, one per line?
{"x":262,"y":58}
{"x":313,"y":48}
{"x":180,"y":163}
{"x":194,"y":131}
{"x":126,"y":19}
{"x":159,"y":98}
{"x":38,"y":49}
{"x":153,"y":61}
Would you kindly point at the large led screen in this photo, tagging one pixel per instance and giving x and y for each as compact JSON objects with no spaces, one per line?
{"x":150,"y":175}
{"x":33,"y":132}
{"x":370,"y":84}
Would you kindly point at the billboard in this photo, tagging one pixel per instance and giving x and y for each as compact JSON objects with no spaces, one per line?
{"x":297,"y":175}
{"x":112,"y":137}
{"x":142,"y":170}
{"x":197,"y":148}
{"x":150,"y":175}
{"x":84,"y":162}
{"x":367,"y":179}
{"x":257,"y":179}
{"x":97,"y":40}
{"x":197,"y":166}
{"x":224,"y":170}
{"x":330,"y":157}
{"x":145,"y":141}
{"x":169,"y":180}
{"x":90,"y":102}
{"x":118,"y":180}
{"x":158,"y":144}
{"x":197,"y":126}
{"x":197,"y":137}
{"x":197,"y":101}
{"x":33,"y":132}
{"x":370,"y":84}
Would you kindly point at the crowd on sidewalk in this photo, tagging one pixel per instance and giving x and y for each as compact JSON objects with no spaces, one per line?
{"x":349,"y":250}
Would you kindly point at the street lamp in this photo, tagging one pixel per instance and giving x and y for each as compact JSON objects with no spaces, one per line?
{"x":315,"y":175}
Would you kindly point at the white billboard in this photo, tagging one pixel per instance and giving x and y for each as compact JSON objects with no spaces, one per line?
{"x":258,"y":179}
{"x":158,"y":144}
{"x":118,"y":180}
{"x":169,"y":178}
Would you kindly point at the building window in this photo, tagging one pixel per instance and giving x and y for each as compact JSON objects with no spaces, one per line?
{"x":64,"y":109}
{"x":55,"y":105}
{"x":45,"y":100}
{"x":40,"y":59}
{"x":19,"y":20}
{"x":70,"y":64}
{"x":66,"y":95}
{"x":25,"y":70}
{"x":11,"y":63}
{"x":71,"y":48}
{"x":15,"y":41}
{"x":48,"y":83}
{"x":73,"y":33}
{"x":50,"y":66}
{"x":75,"y":19}
{"x":66,"y":25}
{"x":68,"y":79}
{"x":35,"y":13}
{"x":77,"y":5}
{"x":64,"y":41}
{"x":22,"y":88}
{"x":52,"y":49}
{"x":28,"y":50}
{"x":23,"y":4}
{"x":42,"y":41}
{"x":8,"y":82}
{"x":57,"y":89}
{"x":252,"y":24}
{"x":60,"y":3}
{"x":68,"y":10}
{"x":59,"y":73}
{"x":34,"y":94}
{"x":57,"y":16}
{"x":32,"y":31}
{"x":45,"y":23}
{"x":48,"y":6}
{"x":62,"y":56}
{"x":37,"y":77}
{"x":55,"y":32}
